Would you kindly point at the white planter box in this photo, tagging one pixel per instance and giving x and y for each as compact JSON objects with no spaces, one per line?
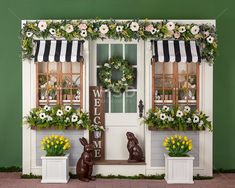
{"x":179,"y":169}
{"x":55,"y":169}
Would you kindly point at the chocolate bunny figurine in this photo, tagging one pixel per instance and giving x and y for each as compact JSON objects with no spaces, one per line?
{"x":85,"y":163}
{"x":135,"y":151}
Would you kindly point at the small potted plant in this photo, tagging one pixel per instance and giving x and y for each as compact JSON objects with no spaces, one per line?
{"x":178,"y":163}
{"x":55,"y":165}
{"x":166,"y":95}
{"x":97,"y":130}
{"x":170,"y":97}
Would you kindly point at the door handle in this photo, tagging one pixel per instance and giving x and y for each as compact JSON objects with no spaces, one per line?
{"x":141,"y":108}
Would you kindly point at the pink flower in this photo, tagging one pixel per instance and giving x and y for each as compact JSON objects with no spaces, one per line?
{"x":177,"y":35}
{"x":82,"y":26}
{"x":206,"y":33}
{"x":149,"y":28}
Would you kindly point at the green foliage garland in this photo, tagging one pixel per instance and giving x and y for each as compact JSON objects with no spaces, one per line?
{"x":105,"y":75}
{"x":203,"y":34}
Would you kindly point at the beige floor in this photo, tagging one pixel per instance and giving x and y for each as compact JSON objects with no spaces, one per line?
{"x":13,"y":180}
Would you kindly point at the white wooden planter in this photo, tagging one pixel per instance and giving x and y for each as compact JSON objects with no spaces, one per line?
{"x":179,"y":169}
{"x":55,"y":169}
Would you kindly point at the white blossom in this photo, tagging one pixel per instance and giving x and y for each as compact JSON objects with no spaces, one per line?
{"x":47,"y":108}
{"x":210,"y":39}
{"x":179,"y":113}
{"x":170,"y":26}
{"x":103,"y":29}
{"x":69,"y":28}
{"x":182,"y":29}
{"x":42,"y":25}
{"x":187,"y":109}
{"x":59,"y":113}
{"x":195,"y":119}
{"x":52,"y":31}
{"x":83,"y":33}
{"x":68,"y":108}
{"x":119,"y":28}
{"x":162,"y":116}
{"x":42,"y":115}
{"x":74,"y":118}
{"x":134,"y":26}
{"x":29,"y":34}
{"x":195,"y":30}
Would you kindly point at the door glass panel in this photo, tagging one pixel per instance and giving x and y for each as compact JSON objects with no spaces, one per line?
{"x":130,"y":102}
{"x":116,"y":103}
{"x":131,"y":53}
{"x":116,"y":50}
{"x":102,"y":53}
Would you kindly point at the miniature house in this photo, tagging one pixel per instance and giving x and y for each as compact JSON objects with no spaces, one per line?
{"x":167,"y":72}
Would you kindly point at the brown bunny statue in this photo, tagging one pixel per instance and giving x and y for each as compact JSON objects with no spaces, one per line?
{"x":85,"y":163}
{"x":135,"y":151}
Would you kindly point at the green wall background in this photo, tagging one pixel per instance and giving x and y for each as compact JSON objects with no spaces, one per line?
{"x":12,"y":11}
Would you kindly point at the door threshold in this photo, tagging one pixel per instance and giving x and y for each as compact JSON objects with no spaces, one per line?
{"x":117,"y":162}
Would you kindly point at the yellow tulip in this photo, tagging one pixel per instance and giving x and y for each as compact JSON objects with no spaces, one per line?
{"x":183,"y":142}
{"x":190,"y":147}
{"x":56,"y":146}
{"x":178,"y":143}
{"x":167,"y":148}
{"x":180,"y":137}
{"x":57,"y":142}
{"x":173,"y":146}
{"x":66,"y":140}
{"x":48,"y":146}
{"x":185,"y":138}
{"x":56,"y":136}
{"x":52,"y":143}
{"x":48,"y":141}
{"x":173,"y":142}
{"x":182,"y":147}
{"x":176,"y":136}
{"x":164,"y":144}
{"x":61,"y":142}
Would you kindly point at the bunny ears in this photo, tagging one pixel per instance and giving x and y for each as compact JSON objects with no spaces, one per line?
{"x":83,"y":141}
{"x":131,"y":136}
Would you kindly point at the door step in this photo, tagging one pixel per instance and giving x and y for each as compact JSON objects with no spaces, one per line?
{"x":117,"y":162}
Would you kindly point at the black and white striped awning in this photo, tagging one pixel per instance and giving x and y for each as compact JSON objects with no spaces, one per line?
{"x":58,"y":50}
{"x":175,"y":51}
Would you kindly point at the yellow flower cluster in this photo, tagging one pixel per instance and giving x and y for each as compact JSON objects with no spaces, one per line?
{"x":55,"y":144}
{"x":178,"y":144}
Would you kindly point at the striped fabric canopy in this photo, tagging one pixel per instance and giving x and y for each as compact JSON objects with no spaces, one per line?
{"x":175,"y":51}
{"x":58,"y":50}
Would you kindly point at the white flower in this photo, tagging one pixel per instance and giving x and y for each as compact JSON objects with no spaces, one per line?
{"x":29,"y":34}
{"x":182,"y":29}
{"x":189,"y":120}
{"x":42,"y":25}
{"x":187,"y":109}
{"x":47,"y":108}
{"x":119,"y":28}
{"x":134,"y":26}
{"x":42,"y":115}
{"x":154,"y":30}
{"x":170,"y":26}
{"x":52,"y":31}
{"x":69,"y":28}
{"x":68,"y":108}
{"x":67,"y":119}
{"x":49,"y":118}
{"x":179,"y":113}
{"x":80,"y":122}
{"x":200,"y":123}
{"x":195,"y":119}
{"x":83,"y":33}
{"x":106,"y":65}
{"x":195,"y":30}
{"x":162,"y":116}
{"x":74,"y":118}
{"x":59,"y":113}
{"x":210,"y":39}
{"x":165,"y":108}
{"x":170,"y":118}
{"x":103,"y":29}
{"x":123,"y":79}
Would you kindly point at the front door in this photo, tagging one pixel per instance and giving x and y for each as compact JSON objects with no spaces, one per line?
{"x":121,"y":110}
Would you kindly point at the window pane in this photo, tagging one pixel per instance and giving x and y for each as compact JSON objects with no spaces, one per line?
{"x":116,"y":50}
{"x":66,"y":67}
{"x":102,"y":53}
{"x":42,"y":67}
{"x":131,"y":53}
{"x":116,"y":103}
{"x":75,"y":67}
{"x":131,"y":102}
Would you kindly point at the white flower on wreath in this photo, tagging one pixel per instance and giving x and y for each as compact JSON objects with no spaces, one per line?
{"x":103,"y":29}
{"x":195,"y":119}
{"x":106,"y":65}
{"x":59,"y":113}
{"x":42,"y":25}
{"x":42,"y":116}
{"x":154,"y":30}
{"x":195,"y":30}
{"x":68,"y":108}
{"x":162,"y":116}
{"x":134,"y":26}
{"x":179,"y":113}
{"x":80,"y":122}
{"x":83,"y":33}
{"x":47,"y":108}
{"x":165,"y":108}
{"x":200,"y":123}
{"x":119,"y":28}
{"x":170,"y":26}
{"x":29,"y":34}
{"x":69,"y":28}
{"x":123,"y":79}
{"x":187,"y":109}
{"x":52,"y":31}
{"x":74,"y":118}
{"x":210,"y":39}
{"x":182,"y":29}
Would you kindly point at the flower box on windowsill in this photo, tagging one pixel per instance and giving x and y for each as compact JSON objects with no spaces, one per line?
{"x":171,"y":129}
{"x":55,"y":169}
{"x":179,"y":169}
{"x":56,"y":128}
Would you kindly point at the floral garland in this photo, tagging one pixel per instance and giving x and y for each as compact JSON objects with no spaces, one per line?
{"x":204,"y":34}
{"x":105,"y":75}
{"x":58,"y":117}
{"x":177,"y":118}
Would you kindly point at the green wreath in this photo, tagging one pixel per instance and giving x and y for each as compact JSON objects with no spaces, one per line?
{"x":105,"y":75}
